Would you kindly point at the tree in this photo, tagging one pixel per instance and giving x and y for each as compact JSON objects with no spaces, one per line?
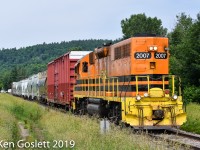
{"x":182,"y":26}
{"x":140,"y":23}
{"x":6,"y":81}
{"x":192,"y":53}
{"x":1,"y":85}
{"x":179,"y":47}
{"x":185,"y":45}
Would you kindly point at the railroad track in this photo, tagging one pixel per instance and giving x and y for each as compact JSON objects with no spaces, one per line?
{"x":175,"y":136}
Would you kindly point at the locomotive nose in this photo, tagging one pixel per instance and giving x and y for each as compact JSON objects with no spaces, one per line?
{"x":158,"y":114}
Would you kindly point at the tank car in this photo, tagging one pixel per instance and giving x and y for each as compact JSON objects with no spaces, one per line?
{"x":129,"y":82}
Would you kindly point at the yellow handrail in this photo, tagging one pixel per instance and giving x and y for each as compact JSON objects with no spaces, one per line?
{"x":108,"y":85}
{"x":104,"y":87}
{"x":148,"y":83}
{"x":136,"y":81}
{"x":95,"y":88}
{"x":113,"y":88}
{"x":107,"y":82}
{"x":163,"y":81}
{"x":172,"y":77}
{"x":117,"y":88}
{"x":136,"y":78}
{"x":173,"y":84}
{"x":88,"y":87}
{"x":99,"y":85}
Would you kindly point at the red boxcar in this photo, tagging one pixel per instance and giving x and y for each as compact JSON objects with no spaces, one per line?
{"x":60,"y":77}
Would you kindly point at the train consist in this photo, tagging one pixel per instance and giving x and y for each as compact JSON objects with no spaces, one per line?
{"x":127,"y":82}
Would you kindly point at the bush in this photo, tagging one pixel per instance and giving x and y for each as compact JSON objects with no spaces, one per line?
{"x":191,"y":94}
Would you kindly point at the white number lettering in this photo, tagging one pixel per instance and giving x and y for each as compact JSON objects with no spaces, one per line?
{"x":142,"y":55}
{"x":147,"y":54}
{"x":160,"y":55}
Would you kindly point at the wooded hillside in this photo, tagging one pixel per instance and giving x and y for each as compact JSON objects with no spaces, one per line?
{"x":17,"y":64}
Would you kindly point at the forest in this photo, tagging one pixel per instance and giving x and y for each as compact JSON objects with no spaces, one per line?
{"x":184,"y":40}
{"x":17,"y":64}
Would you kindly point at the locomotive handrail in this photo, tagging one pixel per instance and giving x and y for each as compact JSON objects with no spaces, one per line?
{"x":173,"y":89}
{"x":88,"y":86}
{"x":172,"y":77}
{"x":111,"y":81}
{"x":99,"y":86}
{"x":113,"y":86}
{"x":95,"y":87}
{"x":173,"y":83}
{"x":148,"y":83}
{"x":163,"y":81}
{"x":104,"y":84}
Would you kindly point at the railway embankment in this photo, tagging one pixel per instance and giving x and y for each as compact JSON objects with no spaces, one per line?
{"x":51,"y":129}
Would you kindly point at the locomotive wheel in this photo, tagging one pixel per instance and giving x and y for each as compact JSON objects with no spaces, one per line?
{"x":67,"y":108}
{"x":82,"y":110}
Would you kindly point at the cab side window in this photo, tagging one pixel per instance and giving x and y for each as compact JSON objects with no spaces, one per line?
{"x":85,"y":67}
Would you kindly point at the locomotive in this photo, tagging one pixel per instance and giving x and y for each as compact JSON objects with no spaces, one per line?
{"x":127,"y":82}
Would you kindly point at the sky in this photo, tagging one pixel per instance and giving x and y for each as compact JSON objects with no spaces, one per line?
{"x":30,"y":22}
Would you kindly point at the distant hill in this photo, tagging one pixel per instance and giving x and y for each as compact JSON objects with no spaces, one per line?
{"x":16,"y":64}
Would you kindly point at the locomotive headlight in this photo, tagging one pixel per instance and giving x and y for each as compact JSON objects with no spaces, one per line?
{"x":155,"y":48}
{"x":146,"y":94}
{"x":138,"y":97}
{"x":175,"y":97}
{"x":151,"y":48}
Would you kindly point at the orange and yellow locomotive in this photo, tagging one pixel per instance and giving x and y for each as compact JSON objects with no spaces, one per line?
{"x":129,"y":82}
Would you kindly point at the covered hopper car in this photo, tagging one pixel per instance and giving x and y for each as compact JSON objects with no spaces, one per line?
{"x":32,"y":88}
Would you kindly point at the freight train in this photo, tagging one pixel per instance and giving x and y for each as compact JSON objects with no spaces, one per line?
{"x":127,"y":82}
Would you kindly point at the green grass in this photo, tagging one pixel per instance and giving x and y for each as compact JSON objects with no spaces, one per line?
{"x":8,"y":123}
{"x":8,"y":126}
{"x":49,"y":125}
{"x":14,"y":110}
{"x":193,"y":118}
{"x":86,"y":133}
